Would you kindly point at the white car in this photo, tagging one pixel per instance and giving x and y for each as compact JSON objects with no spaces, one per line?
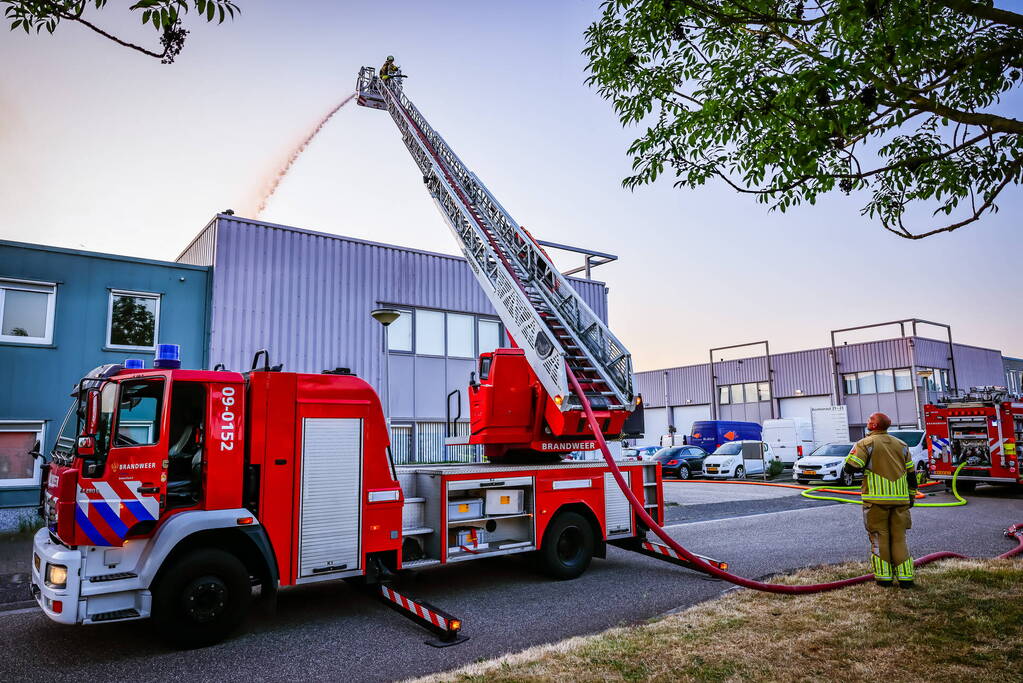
{"x":726,"y":462}
{"x":826,"y":462}
{"x":914,"y":438}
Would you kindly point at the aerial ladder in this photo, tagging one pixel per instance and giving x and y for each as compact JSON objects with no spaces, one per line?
{"x":522,"y":405}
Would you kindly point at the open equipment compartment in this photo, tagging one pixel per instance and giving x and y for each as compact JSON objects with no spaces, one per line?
{"x":507,"y":525}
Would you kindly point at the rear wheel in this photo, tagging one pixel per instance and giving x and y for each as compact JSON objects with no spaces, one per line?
{"x":202,"y":598}
{"x":683,"y":472}
{"x":567,"y":546}
{"x":962,"y":486}
{"x":740,"y":472}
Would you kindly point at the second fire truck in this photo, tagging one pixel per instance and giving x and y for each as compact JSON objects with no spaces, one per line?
{"x":984,"y":430}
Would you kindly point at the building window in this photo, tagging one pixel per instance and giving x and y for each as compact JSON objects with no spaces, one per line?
{"x":429,"y":333}
{"x":849,"y":384}
{"x":399,"y":333}
{"x":751,"y":392}
{"x":885,"y":381}
{"x":903,"y":379}
{"x":26,"y":311}
{"x":723,"y":396}
{"x":936,"y":381}
{"x":764,"y":390}
{"x":134,"y":320}
{"x":865,"y":383}
{"x":489,"y":335}
{"x":461,"y":335}
{"x":17,"y":441}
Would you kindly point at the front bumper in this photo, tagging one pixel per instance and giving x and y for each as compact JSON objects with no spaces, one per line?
{"x":826,"y":475}
{"x":59,"y":604}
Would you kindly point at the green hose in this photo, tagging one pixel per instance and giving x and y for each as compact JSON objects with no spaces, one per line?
{"x":955,"y":492}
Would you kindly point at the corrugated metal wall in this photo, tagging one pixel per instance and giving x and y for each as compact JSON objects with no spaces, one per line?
{"x":975,"y":366}
{"x":307,"y":296}
{"x":879,"y":355}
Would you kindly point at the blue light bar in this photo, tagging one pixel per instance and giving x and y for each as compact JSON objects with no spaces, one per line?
{"x":134,"y":364}
{"x":168,"y":357}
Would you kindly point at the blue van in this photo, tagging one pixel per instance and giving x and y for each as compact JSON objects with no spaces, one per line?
{"x":709,"y":434}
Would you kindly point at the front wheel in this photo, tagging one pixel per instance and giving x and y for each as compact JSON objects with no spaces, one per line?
{"x":202,"y":598}
{"x":740,"y":472}
{"x":567,"y":546}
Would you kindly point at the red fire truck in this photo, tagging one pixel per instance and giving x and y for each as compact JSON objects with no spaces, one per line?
{"x":983,"y":429}
{"x":173,"y":492}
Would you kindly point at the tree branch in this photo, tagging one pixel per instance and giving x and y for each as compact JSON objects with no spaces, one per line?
{"x":114,"y":38}
{"x":977,"y":213}
{"x":993,"y":14}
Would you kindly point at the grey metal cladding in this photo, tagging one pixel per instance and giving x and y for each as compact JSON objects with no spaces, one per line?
{"x":306,"y":296}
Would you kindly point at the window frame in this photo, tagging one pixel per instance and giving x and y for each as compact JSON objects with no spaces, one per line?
{"x":890,"y":374}
{"x":724,"y":395}
{"x":110,"y":318}
{"x":764,"y":388}
{"x":410,"y":312}
{"x":849,"y":380}
{"x":474,"y":327}
{"x":37,"y":287}
{"x":873,"y":381}
{"x":906,"y":373}
{"x":37,"y":426}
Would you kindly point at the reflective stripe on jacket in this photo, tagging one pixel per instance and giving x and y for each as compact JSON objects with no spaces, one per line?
{"x":886,"y":461}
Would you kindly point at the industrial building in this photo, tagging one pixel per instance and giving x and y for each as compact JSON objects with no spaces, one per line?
{"x":895,"y":376}
{"x":307,"y":297}
{"x":64,"y":312}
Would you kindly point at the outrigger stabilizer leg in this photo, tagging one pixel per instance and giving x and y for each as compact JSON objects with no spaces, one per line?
{"x":446,"y":627}
{"x":662,"y":552}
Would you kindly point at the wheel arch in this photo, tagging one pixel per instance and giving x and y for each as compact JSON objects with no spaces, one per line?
{"x":220,"y":530}
{"x":587,"y":513}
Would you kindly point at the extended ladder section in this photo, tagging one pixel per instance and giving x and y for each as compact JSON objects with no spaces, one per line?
{"x":539,"y":307}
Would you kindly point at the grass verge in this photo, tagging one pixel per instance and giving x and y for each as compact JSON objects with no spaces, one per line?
{"x":963,"y":621}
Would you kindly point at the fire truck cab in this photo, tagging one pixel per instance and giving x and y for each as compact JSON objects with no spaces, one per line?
{"x":983,"y":429}
{"x":172,"y":493}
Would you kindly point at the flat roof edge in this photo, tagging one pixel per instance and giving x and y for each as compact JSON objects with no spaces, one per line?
{"x":100,"y":255}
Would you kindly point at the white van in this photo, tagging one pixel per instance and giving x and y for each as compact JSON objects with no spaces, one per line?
{"x":789,"y":437}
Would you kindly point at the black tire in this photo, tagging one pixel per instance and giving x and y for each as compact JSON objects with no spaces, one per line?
{"x":802,"y":482}
{"x":847,"y":478}
{"x":683,"y":472}
{"x":740,"y":472}
{"x":567,"y":546}
{"x":202,"y":598}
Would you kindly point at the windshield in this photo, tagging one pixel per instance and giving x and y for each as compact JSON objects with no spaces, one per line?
{"x":911,"y":438}
{"x":732,"y":448}
{"x":833,"y":449}
{"x":65,"y":444}
{"x":666,"y":454}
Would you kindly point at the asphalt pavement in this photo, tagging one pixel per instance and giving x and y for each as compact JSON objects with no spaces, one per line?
{"x":332,"y":632}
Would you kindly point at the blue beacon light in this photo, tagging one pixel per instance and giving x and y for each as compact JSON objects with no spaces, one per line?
{"x":134,"y":364}
{"x":168,"y":357}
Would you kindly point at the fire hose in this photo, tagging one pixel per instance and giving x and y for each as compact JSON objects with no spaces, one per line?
{"x":811,"y":493}
{"x":1015,"y":531}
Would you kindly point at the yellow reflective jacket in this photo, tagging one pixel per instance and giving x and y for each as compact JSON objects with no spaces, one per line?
{"x":387,"y":69}
{"x":888,"y":473}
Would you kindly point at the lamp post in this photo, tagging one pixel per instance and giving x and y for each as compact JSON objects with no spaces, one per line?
{"x":386,"y":316}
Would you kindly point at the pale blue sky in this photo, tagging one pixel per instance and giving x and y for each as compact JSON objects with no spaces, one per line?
{"x":107,"y":150}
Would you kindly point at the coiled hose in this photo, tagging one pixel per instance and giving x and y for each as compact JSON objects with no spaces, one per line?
{"x":1015,"y":531}
{"x":810,"y":493}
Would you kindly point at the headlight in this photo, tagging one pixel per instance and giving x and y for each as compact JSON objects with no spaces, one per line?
{"x":834,"y":464}
{"x":56,"y":576}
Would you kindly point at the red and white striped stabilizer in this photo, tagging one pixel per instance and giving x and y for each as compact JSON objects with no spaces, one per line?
{"x":441,"y":620}
{"x":670,"y":553}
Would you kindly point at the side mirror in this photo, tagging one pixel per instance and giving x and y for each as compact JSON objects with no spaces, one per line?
{"x":36,"y":451}
{"x":87,"y":439}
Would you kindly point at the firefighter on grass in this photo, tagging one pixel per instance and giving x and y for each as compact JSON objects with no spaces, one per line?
{"x":889,"y":486}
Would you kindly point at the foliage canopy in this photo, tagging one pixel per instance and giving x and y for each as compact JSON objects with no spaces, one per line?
{"x":791,"y":99}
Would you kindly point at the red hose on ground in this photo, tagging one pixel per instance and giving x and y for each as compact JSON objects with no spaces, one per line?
{"x":1015,"y":530}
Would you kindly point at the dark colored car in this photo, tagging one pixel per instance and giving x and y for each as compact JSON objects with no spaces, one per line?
{"x":680,"y":462}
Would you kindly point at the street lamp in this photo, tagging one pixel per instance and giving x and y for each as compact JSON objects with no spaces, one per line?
{"x":386,"y":316}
